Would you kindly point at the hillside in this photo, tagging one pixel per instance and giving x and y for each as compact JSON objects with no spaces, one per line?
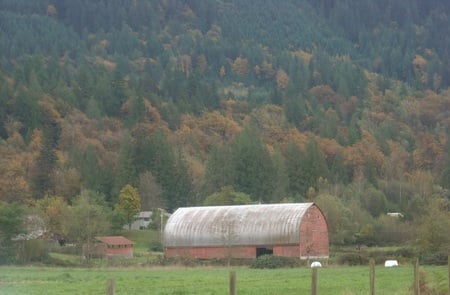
{"x":345,"y":103}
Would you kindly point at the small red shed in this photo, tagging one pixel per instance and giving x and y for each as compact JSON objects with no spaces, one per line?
{"x":247,"y":231}
{"x":116,"y":246}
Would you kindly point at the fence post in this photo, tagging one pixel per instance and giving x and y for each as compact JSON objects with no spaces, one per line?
{"x":232,"y":283}
{"x":372,"y":277}
{"x":416,"y":277}
{"x":448,"y":261}
{"x":314,"y":281}
{"x":110,"y":287}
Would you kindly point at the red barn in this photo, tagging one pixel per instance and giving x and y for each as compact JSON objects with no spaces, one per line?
{"x":292,"y":230}
{"x":114,"y":246}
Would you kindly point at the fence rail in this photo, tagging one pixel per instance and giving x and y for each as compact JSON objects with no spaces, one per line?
{"x":315,"y":282}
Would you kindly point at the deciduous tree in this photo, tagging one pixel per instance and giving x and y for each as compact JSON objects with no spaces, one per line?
{"x":87,"y":217}
{"x":11,"y":224}
{"x":240,"y":66}
{"x":129,"y":204}
{"x":227,"y":196}
{"x":434,"y":228}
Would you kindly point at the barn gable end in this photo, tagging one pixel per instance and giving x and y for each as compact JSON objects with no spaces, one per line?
{"x":292,"y":230}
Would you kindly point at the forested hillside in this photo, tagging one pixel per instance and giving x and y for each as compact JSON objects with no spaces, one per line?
{"x":344,"y":103}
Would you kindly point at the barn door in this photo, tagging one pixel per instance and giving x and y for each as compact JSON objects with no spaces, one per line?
{"x":263,"y":251}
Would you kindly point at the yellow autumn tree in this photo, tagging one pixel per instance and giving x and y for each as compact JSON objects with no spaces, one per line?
{"x":324,"y":94}
{"x":282,"y":79}
{"x":51,"y":10}
{"x":13,"y":184}
{"x":420,"y":64}
{"x":55,"y":210}
{"x":222,"y":72}
{"x":129,"y":204}
{"x":267,"y":70}
{"x":240,"y":66}
{"x":215,"y":33}
{"x":185,"y":64}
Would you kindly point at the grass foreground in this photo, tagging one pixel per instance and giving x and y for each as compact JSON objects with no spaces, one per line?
{"x":212,"y":280}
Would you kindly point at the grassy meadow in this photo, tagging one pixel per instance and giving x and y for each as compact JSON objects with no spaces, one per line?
{"x":147,"y":273}
{"x":212,"y":280}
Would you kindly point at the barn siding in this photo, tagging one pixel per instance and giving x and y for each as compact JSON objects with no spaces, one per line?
{"x":211,"y":252}
{"x":124,"y":252}
{"x":314,"y":234}
{"x":286,"y":250}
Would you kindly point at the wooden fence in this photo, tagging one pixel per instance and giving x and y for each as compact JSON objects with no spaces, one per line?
{"x":110,"y":286}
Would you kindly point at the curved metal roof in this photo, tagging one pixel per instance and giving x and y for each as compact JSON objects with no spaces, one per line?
{"x":235,"y":225}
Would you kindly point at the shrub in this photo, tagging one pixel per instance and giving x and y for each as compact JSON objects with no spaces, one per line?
{"x":271,"y":261}
{"x":33,"y":251}
{"x":156,"y":247}
{"x":439,"y":258}
{"x":352,"y":259}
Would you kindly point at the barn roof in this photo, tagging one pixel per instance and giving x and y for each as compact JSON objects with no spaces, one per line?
{"x":115,"y":240}
{"x":235,"y":225}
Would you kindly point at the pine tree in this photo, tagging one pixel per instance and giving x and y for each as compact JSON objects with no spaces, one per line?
{"x":218,"y":168}
{"x":253,"y":170}
{"x":46,"y":160}
{"x":314,"y":164}
{"x":297,"y":185}
{"x":126,"y":169}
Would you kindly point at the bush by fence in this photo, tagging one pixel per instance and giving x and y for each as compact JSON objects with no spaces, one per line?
{"x":271,"y":261}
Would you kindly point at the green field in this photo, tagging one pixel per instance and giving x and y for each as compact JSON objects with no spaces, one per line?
{"x":170,"y":280}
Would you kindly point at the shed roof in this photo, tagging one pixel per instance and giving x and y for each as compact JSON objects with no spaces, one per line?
{"x":235,"y":225}
{"x":115,"y":240}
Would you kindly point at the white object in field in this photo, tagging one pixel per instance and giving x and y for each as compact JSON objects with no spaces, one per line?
{"x":390,"y":263}
{"x":316,"y":264}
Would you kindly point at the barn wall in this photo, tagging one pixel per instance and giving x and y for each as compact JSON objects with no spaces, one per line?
{"x":287,"y":251}
{"x":211,"y":252}
{"x":314,"y":234}
{"x":235,"y":252}
{"x":124,"y":252}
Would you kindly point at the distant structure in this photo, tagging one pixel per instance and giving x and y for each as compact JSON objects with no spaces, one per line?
{"x":142,"y":220}
{"x":113,"y":246}
{"x":395,"y":214}
{"x":248,"y":231}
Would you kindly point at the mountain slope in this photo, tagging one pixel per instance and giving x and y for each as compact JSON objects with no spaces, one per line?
{"x":335,"y":101}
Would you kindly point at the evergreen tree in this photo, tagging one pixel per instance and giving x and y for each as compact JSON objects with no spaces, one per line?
{"x":338,"y":172}
{"x":314,"y":164}
{"x":46,"y":161}
{"x":153,"y":153}
{"x":179,"y":191}
{"x":119,"y":90}
{"x":218,"y":170}
{"x":42,"y":175}
{"x":281,"y":180}
{"x":297,"y":185}
{"x":96,"y":174}
{"x":126,"y":169}
{"x":253,"y":170}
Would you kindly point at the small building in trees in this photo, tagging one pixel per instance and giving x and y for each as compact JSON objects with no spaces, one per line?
{"x":247,"y":231}
{"x":142,"y":221}
{"x":111,"y":246}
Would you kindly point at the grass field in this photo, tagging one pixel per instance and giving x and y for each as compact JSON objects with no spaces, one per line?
{"x":171,"y":280}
